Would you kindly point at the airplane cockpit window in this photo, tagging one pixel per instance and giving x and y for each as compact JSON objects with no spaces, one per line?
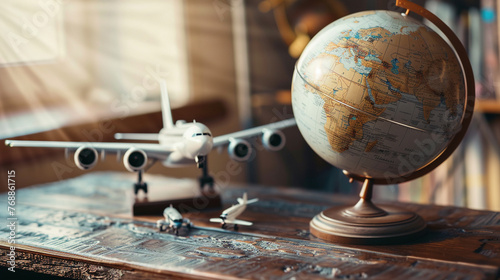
{"x":202,"y":134}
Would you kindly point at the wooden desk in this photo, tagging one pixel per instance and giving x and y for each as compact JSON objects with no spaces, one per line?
{"x":82,"y":228}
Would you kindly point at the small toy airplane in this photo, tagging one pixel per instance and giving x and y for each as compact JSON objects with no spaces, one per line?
{"x":229,"y":215}
{"x":179,"y":144}
{"x":173,"y":221}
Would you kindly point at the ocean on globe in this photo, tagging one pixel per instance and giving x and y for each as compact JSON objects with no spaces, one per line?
{"x":378,"y":94}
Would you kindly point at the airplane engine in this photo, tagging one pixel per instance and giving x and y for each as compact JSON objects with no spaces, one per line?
{"x":273,"y":140}
{"x":85,"y":157}
{"x":135,"y":160}
{"x":239,"y":149}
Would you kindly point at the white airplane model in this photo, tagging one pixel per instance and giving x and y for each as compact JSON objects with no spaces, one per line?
{"x":179,"y":144}
{"x":173,"y":220}
{"x":229,"y":215}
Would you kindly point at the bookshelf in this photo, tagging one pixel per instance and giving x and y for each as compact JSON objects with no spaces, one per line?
{"x":469,"y":178}
{"x":487,"y":106}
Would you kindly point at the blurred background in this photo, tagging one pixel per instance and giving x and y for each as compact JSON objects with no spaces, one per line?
{"x":82,"y":70}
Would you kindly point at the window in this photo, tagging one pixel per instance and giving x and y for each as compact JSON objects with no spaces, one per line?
{"x":73,"y":61}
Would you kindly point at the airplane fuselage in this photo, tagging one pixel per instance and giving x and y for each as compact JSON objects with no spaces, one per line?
{"x":173,"y":221}
{"x":173,"y":217}
{"x":232,"y":212}
{"x":189,"y":140}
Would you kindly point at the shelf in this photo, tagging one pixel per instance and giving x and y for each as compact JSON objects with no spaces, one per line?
{"x":487,"y":106}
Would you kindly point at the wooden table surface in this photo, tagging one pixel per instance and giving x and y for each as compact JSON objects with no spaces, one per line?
{"x":83,"y":228}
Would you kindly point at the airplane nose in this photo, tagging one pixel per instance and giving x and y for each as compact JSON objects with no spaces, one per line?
{"x":200,"y":146}
{"x":205,"y":145}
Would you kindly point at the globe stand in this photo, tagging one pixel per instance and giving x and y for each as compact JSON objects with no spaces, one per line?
{"x":365,"y":223}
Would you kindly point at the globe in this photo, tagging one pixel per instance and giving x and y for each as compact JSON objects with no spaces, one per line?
{"x":379,"y":95}
{"x":385,"y":98}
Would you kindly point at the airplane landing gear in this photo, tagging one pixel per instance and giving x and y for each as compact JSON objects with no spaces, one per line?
{"x":140,"y":185}
{"x":205,"y":179}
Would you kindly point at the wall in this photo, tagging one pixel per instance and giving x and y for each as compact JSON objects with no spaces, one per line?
{"x":211,"y":76}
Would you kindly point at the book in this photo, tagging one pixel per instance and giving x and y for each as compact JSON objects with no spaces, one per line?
{"x":459,"y":192}
{"x":490,"y":40}
{"x":493,"y":167}
{"x":474,"y":170}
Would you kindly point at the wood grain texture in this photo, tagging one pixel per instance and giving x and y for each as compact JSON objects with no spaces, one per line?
{"x":80,"y":224}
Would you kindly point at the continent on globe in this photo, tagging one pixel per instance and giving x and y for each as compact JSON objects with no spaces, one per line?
{"x":370,"y":146}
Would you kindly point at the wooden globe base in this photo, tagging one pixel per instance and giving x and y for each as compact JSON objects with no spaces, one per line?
{"x":366,"y":223}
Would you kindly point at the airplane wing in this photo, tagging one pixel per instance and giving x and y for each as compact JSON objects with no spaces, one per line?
{"x":216,"y":220}
{"x":234,"y":222}
{"x":240,"y":201}
{"x":239,"y":222}
{"x":149,"y":149}
{"x":252,"y":200}
{"x":137,"y":136}
{"x":251,"y":132}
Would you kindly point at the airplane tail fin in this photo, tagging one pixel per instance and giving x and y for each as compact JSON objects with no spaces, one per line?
{"x":242,"y":200}
{"x":245,"y":200}
{"x":168,"y":121}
